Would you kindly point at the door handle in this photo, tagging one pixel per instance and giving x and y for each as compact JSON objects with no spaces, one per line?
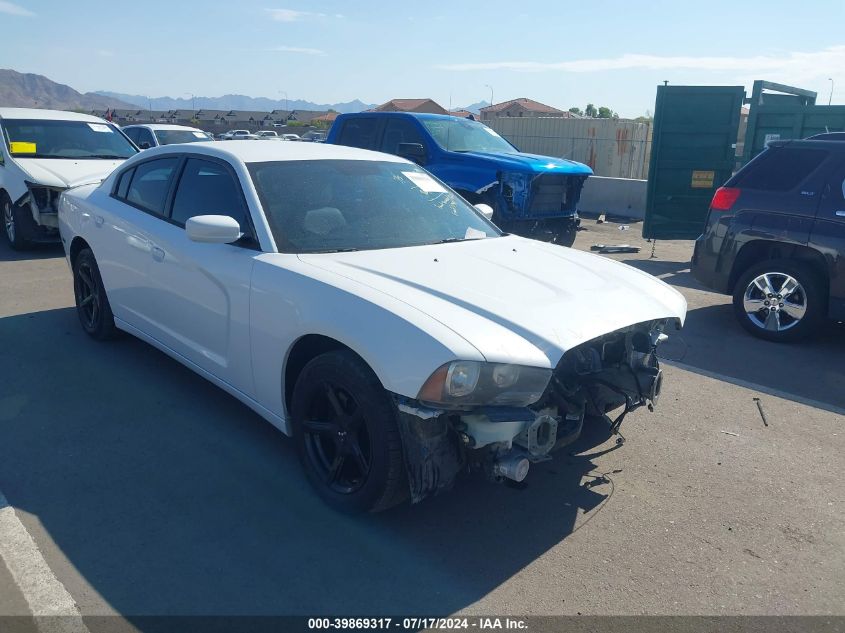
{"x":840,"y":214}
{"x":158,"y":254}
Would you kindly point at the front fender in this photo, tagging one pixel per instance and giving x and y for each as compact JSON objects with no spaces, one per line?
{"x":402,"y":345}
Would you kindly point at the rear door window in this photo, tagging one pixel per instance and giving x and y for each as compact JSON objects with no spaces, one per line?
{"x":781,"y":168}
{"x":359,"y":133}
{"x":151,"y":184}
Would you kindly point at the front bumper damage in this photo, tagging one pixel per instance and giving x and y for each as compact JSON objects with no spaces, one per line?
{"x":42,"y":202}
{"x":616,"y":371}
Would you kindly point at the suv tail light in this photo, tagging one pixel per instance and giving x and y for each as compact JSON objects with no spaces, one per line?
{"x":724,"y":198}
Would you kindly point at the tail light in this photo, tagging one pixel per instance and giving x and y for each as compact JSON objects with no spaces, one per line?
{"x":724,"y":198}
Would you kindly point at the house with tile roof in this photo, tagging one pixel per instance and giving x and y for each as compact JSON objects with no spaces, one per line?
{"x":522,"y":107}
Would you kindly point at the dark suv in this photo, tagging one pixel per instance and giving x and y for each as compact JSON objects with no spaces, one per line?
{"x":775,"y":239}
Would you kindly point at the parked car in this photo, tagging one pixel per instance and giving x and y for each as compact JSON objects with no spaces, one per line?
{"x":267,"y":135}
{"x":149,"y":135}
{"x":291,"y":137}
{"x":535,"y":196}
{"x":43,"y":153}
{"x":313,"y":136}
{"x":775,"y":240}
{"x":360,"y":305}
{"x":238,"y":135}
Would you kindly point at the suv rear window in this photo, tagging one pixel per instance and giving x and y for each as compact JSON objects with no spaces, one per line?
{"x":781,"y":169}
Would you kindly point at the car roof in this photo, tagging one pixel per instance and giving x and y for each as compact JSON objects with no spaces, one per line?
{"x":416,"y":115}
{"x":47,"y":115}
{"x":254,"y":152}
{"x":829,"y":144}
{"x":164,"y":126}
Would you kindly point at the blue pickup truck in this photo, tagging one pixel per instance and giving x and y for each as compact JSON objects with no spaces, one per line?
{"x":535,"y":196}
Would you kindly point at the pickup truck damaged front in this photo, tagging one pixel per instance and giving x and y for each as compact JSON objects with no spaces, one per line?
{"x":616,"y":371}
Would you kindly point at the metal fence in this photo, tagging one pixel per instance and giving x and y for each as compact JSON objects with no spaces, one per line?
{"x":614,"y":148}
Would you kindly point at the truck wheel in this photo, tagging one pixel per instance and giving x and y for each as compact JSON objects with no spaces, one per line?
{"x":18,"y":223}
{"x":780,"y":300}
{"x":92,"y":304}
{"x":565,"y":232}
{"x":347,"y":435}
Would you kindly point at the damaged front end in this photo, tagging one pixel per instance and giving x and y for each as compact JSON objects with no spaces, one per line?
{"x":493,"y":418}
{"x":538,"y":204}
{"x":42,"y":201}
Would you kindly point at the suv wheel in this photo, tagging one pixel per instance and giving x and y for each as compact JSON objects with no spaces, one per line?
{"x":347,"y":436}
{"x":17,"y":223}
{"x":780,"y":300}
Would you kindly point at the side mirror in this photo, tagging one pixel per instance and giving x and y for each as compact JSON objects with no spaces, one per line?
{"x":144,"y":145}
{"x":216,"y":229}
{"x":412,"y":151}
{"x":486,"y":210}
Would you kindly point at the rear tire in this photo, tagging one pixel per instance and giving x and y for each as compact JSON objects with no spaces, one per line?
{"x":18,"y":224}
{"x":780,"y":300}
{"x":92,"y":303}
{"x":347,"y":436}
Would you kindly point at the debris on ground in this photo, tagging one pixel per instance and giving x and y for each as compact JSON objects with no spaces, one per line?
{"x":762,"y":413}
{"x":624,"y":227}
{"x":601,"y":219}
{"x":621,"y":248}
{"x":731,"y":433}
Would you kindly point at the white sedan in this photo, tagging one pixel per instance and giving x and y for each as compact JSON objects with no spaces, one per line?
{"x":361,"y":306}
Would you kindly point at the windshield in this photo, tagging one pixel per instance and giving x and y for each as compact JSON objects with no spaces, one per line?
{"x":337,"y":205}
{"x":463,"y":135}
{"x":65,"y":139}
{"x":169,"y":137}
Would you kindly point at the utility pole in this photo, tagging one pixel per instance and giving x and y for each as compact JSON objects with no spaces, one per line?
{"x":491,"y":92}
{"x":193,"y":101}
{"x":830,"y":98}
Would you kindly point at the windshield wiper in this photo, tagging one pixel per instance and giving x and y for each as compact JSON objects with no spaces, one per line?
{"x":449,"y":240}
{"x":333,"y":250}
{"x":105,"y":156}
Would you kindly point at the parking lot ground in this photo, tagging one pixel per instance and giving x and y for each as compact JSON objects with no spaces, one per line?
{"x":149,"y":491}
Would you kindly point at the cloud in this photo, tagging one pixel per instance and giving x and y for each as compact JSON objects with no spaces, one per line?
{"x":290,"y":15}
{"x":792,"y":64}
{"x":13,"y":9}
{"x":296,"y":49}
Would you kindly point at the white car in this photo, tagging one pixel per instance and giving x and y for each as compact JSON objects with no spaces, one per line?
{"x":363,"y":307}
{"x":291,"y":137}
{"x":43,"y":153}
{"x":267,"y":135}
{"x":239,"y":135}
{"x":147,"y":135}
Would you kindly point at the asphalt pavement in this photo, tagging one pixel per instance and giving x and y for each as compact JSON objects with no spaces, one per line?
{"x":149,"y":491}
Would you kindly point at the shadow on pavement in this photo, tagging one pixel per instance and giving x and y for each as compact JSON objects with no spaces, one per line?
{"x":674,"y":273}
{"x":36,"y":251}
{"x":170,"y":497}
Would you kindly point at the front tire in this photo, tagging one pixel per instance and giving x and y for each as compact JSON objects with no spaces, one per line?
{"x":18,"y":224}
{"x":92,"y":303}
{"x":780,"y":300}
{"x":347,"y":435}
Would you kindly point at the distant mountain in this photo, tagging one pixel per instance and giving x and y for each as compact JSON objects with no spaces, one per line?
{"x":234,"y":102}
{"x":25,"y":90}
{"x":475,"y":108}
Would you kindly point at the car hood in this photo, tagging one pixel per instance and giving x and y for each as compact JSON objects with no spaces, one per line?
{"x":532,"y":163}
{"x":65,"y":172}
{"x":515,"y":300}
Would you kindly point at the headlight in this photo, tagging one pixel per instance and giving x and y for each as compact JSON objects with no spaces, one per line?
{"x":474,"y":383}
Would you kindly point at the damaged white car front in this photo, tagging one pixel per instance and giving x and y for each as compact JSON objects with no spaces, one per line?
{"x":500,"y":418}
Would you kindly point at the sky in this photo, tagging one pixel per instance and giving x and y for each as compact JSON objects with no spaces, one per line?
{"x":563,"y":54}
